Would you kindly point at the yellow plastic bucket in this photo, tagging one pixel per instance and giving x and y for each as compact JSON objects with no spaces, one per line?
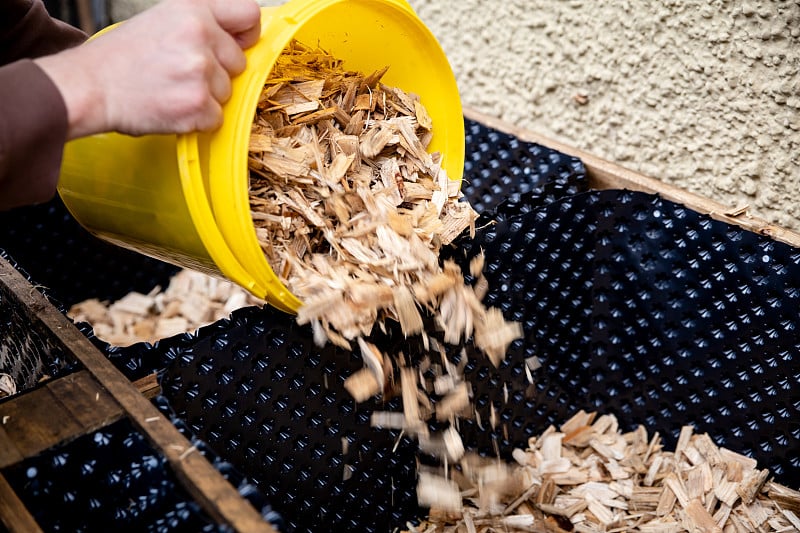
{"x":185,"y":199}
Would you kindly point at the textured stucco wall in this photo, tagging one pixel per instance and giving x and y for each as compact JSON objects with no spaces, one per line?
{"x":702,"y":94}
{"x":705,"y":95}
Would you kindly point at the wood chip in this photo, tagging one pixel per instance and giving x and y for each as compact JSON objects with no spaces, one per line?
{"x":362,"y":384}
{"x":700,"y":519}
{"x":8,"y":386}
{"x":455,"y":402}
{"x":438,"y":492}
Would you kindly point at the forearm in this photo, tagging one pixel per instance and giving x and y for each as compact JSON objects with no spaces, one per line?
{"x":33,"y":127}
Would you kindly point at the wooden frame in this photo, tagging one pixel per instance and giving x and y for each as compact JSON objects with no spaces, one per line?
{"x":80,"y":403}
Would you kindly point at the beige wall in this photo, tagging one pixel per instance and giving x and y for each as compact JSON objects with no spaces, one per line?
{"x":701,"y":94}
{"x":705,"y":95}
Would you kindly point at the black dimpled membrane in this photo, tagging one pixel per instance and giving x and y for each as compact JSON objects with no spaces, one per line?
{"x":643,"y":308}
{"x":635,"y":305}
{"x":264,"y":397}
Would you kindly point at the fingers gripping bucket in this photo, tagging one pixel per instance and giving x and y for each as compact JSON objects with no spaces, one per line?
{"x":184,"y":199}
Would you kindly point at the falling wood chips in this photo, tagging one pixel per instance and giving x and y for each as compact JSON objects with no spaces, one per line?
{"x":590,"y":477}
{"x":190,"y":301}
{"x":351,"y":211}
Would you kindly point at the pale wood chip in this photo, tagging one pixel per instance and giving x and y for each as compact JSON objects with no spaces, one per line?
{"x":448,"y":444}
{"x":423,"y":118}
{"x":411,"y":410}
{"x":259,"y":142}
{"x":751,"y":485}
{"x":374,"y":141}
{"x":438,"y":492}
{"x":666,"y":503}
{"x":8,"y":387}
{"x":603,"y":514}
{"x":407,"y":311}
{"x":701,"y":520}
{"x":167,"y":327}
{"x":298,"y":97}
{"x":455,"y":402}
{"x":494,"y":335}
{"x":388,"y":419}
{"x":134,"y":303}
{"x":374,"y":360}
{"x":362,"y":385}
{"x":784,"y":496}
{"x":792,"y":518}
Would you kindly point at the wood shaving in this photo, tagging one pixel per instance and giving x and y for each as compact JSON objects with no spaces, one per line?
{"x":8,"y":386}
{"x":590,"y":477}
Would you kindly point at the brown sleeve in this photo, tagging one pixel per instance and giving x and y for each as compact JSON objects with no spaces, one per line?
{"x":33,"y":131}
{"x":27,"y":31}
{"x":33,"y":116}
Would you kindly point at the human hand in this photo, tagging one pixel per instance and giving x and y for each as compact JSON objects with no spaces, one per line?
{"x":166,"y":70}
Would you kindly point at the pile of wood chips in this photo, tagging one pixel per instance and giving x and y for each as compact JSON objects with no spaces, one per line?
{"x":191,"y":300}
{"x":588,"y":476}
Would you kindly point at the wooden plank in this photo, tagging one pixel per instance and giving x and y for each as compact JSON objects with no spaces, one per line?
{"x":9,"y":454}
{"x":604,"y":174}
{"x":148,"y":386}
{"x":36,"y":421}
{"x":85,"y":400}
{"x":58,"y":412}
{"x":13,"y":514}
{"x":210,"y":489}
